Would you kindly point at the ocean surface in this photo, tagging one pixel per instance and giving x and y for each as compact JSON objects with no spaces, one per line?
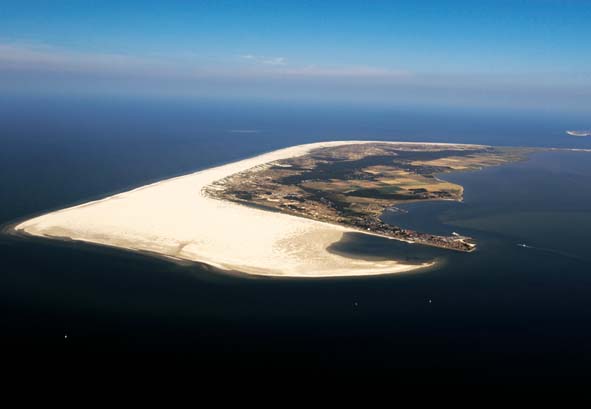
{"x":518,"y":307}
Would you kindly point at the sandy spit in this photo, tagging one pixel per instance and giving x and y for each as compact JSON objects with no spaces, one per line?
{"x":174,"y":218}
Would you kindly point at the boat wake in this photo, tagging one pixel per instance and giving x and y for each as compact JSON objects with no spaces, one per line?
{"x":552,"y":251}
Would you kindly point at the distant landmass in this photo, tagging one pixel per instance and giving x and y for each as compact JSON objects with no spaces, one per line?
{"x":579,"y":133}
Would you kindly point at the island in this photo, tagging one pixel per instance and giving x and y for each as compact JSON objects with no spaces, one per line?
{"x":278,"y":214}
{"x":352,"y":185}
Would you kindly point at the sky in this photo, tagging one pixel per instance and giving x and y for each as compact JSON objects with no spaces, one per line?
{"x":503,"y":53}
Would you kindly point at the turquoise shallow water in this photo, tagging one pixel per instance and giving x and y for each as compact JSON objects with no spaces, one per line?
{"x":501,"y":310}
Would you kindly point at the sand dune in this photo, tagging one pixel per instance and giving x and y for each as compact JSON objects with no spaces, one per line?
{"x":174,"y":218}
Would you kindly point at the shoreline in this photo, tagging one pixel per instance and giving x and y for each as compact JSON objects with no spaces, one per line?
{"x":174,"y":219}
{"x":102,"y":248}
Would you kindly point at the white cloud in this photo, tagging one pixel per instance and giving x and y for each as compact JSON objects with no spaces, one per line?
{"x":349,"y":71}
{"x":265,"y":60}
{"x":34,"y":66}
{"x":35,"y":57}
{"x":275,"y":61}
{"x":39,"y":56}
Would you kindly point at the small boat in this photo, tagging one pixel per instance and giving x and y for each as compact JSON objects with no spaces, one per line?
{"x":523,"y":245}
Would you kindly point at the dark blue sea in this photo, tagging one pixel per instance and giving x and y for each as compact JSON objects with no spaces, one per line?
{"x":504,"y":313}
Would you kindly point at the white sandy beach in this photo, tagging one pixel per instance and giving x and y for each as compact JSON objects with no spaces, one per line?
{"x":174,"y":218}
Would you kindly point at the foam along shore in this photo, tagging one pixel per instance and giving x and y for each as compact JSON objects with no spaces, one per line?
{"x":174,"y":218}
